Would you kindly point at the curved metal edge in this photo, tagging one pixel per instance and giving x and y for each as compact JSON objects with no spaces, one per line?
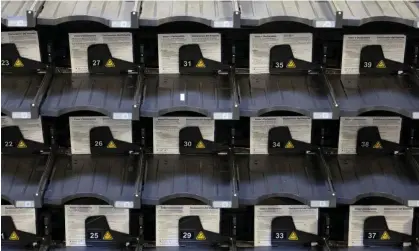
{"x":135,"y":14}
{"x":396,"y":110}
{"x":162,"y":21}
{"x":202,"y":111}
{"x":373,"y":194}
{"x":33,"y":13}
{"x":262,"y":198}
{"x":363,"y":21}
{"x":284,"y":108}
{"x":262,"y":21}
{"x":57,"y":21}
{"x":66,"y":199}
{"x":167,"y":198}
{"x":61,"y":112}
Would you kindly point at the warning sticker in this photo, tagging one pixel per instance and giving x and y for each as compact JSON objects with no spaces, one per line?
{"x":398,"y":218}
{"x":261,"y":44}
{"x":31,"y":130}
{"x":166,"y":132}
{"x":80,"y":133}
{"x":169,"y":44}
{"x":300,"y":128}
{"x":76,"y":215}
{"x":389,"y":128}
{"x":167,"y":222}
{"x":14,"y":236}
{"x":120,"y":46}
{"x":24,"y":219}
{"x":393,"y":48}
{"x":27,"y":44}
{"x":304,"y":217}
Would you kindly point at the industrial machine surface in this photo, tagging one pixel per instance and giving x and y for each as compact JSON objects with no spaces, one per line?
{"x":359,"y":94}
{"x":172,"y":93}
{"x":104,"y":94}
{"x":204,"y":178}
{"x":357,"y":177}
{"x":110,"y":178}
{"x":297,"y":177}
{"x":266,"y":93}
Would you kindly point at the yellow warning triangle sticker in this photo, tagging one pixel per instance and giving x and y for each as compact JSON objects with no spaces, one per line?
{"x":200,"y":64}
{"x":381,"y":65}
{"x":385,"y":236}
{"x":200,"y":145}
{"x":109,"y":64}
{"x":14,"y":237}
{"x":201,"y":236}
{"x":378,"y":145}
{"x":291,"y":64}
{"x":289,"y":145}
{"x":21,"y":144}
{"x":107,"y":236}
{"x":293,"y":236}
{"x":111,"y":144}
{"x":18,"y":63}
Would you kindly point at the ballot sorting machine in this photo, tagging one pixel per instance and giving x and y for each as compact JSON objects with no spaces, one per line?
{"x":222,"y":125}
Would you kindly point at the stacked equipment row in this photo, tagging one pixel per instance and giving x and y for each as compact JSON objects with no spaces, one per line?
{"x":210,"y":125}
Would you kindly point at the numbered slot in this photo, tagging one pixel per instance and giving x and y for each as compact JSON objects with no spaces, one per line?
{"x":11,"y":236}
{"x":282,"y":60}
{"x":101,"y":82}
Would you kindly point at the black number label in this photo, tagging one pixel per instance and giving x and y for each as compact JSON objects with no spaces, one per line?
{"x":187,"y":63}
{"x":365,"y":144}
{"x":367,"y":64}
{"x":371,"y":235}
{"x":8,"y":144}
{"x":94,"y":235}
{"x":276,"y":144}
{"x":187,"y":143}
{"x":96,"y":62}
{"x":98,"y":143}
{"x":186,"y":235}
{"x":279,"y":235}
{"x":5,"y":62}
{"x":279,"y":65}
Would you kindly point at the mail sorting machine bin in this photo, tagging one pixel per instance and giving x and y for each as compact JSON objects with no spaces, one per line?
{"x":187,"y":84}
{"x":101,"y":176}
{"x":282,"y":86}
{"x":373,"y":169}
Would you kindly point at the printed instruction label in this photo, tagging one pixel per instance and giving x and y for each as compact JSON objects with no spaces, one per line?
{"x":31,"y":128}
{"x":80,"y":132}
{"x":166,"y":132}
{"x":399,"y":219}
{"x":167,"y":222}
{"x":389,"y":128}
{"x":393,"y":49}
{"x":305,"y":219}
{"x":75,"y":221}
{"x":261,"y":45}
{"x":27,"y":44}
{"x":120,"y":46}
{"x":169,"y":44}
{"x":23,"y":218}
{"x":300,"y":128}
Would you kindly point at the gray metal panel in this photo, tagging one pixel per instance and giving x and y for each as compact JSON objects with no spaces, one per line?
{"x":23,"y":178}
{"x":263,"y":177}
{"x":109,"y":95}
{"x":202,"y":94}
{"x":359,"y":94}
{"x":197,"y":248}
{"x":356,"y":177}
{"x":23,"y":94}
{"x":313,"y":13}
{"x":20,"y":13}
{"x":356,"y":13}
{"x":117,"y":14}
{"x":288,"y":248}
{"x":204,"y":178}
{"x":214,"y":13}
{"x":109,"y":178}
{"x":382,"y":248}
{"x":266,"y":93}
